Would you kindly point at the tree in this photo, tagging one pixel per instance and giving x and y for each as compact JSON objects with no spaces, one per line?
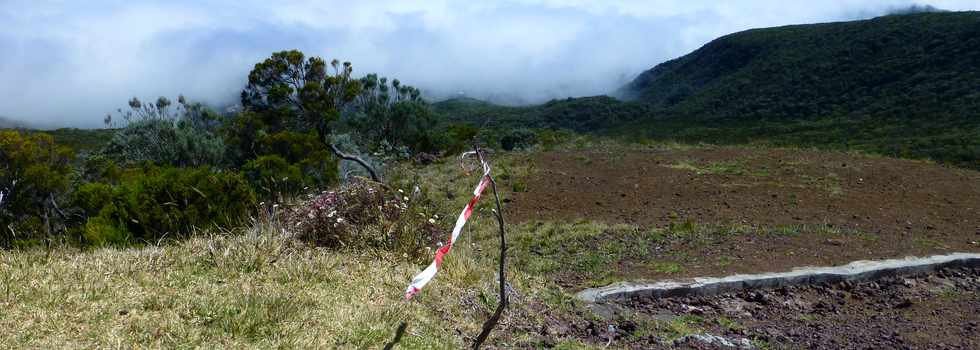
{"x":290,"y":105}
{"x":392,"y":115}
{"x":34,"y":173}
{"x":301,"y":91}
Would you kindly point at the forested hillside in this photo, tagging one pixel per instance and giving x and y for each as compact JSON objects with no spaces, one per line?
{"x":900,"y":85}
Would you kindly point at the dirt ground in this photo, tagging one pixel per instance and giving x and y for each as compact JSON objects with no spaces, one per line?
{"x":800,"y":207}
{"x":939,"y":311}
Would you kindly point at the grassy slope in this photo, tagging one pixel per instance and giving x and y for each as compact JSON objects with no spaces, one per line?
{"x":256,"y":288}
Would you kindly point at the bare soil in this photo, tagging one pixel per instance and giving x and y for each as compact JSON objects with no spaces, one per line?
{"x":937,"y":311}
{"x":801,"y":207}
{"x":928,"y":312}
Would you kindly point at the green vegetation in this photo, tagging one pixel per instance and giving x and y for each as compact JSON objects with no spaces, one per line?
{"x":172,"y":189}
{"x":184,"y":137}
{"x":899,"y":85}
{"x":163,"y":203}
{"x":83,"y":141}
{"x":254,"y":286}
{"x":902,"y":86}
{"x":173,"y":170}
{"x":720,"y":168}
{"x":34,"y":176}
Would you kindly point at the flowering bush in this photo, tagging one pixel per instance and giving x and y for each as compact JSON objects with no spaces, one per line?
{"x":364,"y":214}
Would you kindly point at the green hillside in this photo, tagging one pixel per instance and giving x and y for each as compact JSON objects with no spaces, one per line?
{"x":582,"y":114}
{"x":905,"y":85}
{"x":900,"y":85}
{"x":921,"y":65}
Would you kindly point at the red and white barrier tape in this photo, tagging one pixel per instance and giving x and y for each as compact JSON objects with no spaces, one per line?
{"x":426,"y":275}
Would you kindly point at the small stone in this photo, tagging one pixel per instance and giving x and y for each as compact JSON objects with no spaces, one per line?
{"x":693,"y":309}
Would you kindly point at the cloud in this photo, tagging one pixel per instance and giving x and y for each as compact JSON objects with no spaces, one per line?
{"x":67,"y":63}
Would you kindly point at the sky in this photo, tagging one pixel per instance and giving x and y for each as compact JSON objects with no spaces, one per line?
{"x":68,"y":63}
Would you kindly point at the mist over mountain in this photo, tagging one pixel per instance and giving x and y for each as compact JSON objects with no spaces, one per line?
{"x":922,"y":65}
{"x":900,"y":85}
{"x":68,"y":63}
{"x":11,"y":123}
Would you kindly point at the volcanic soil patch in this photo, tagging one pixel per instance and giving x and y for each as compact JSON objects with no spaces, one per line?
{"x":937,"y":311}
{"x":715,"y":211}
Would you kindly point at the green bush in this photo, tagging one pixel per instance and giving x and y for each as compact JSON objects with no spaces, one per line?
{"x":457,"y":138}
{"x":99,"y":168}
{"x":34,"y":175}
{"x":517,"y":139}
{"x":302,"y":157}
{"x":101,"y":231}
{"x":273,"y":176}
{"x":165,"y":142}
{"x":169,"y":202}
{"x":90,"y":198}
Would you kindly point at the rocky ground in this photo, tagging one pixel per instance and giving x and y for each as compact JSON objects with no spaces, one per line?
{"x":939,"y":311}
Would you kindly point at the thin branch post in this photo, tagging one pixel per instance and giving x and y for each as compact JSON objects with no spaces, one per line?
{"x":492,"y":322}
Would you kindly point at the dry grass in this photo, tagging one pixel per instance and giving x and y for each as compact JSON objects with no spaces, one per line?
{"x":258,"y":288}
{"x":252,"y":290}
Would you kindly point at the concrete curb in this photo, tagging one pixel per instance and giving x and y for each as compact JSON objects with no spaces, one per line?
{"x":863,"y":270}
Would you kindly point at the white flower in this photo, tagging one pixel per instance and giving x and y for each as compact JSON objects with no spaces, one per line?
{"x":331,"y":214}
{"x":432,"y":221}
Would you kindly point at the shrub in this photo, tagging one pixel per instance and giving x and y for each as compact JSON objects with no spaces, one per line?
{"x":167,"y":202}
{"x":91,"y":197}
{"x":34,"y":175}
{"x":457,"y":138}
{"x":165,"y":142}
{"x":363,"y":214}
{"x":99,"y":168}
{"x":551,"y":138}
{"x":100,"y":231}
{"x":183,"y":137}
{"x":272,"y":176}
{"x":517,"y":139}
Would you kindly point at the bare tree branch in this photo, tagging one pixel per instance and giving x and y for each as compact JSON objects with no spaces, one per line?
{"x":54,"y":205}
{"x":356,"y":159}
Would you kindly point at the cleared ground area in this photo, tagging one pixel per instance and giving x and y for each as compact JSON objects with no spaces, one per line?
{"x":714,"y":211}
